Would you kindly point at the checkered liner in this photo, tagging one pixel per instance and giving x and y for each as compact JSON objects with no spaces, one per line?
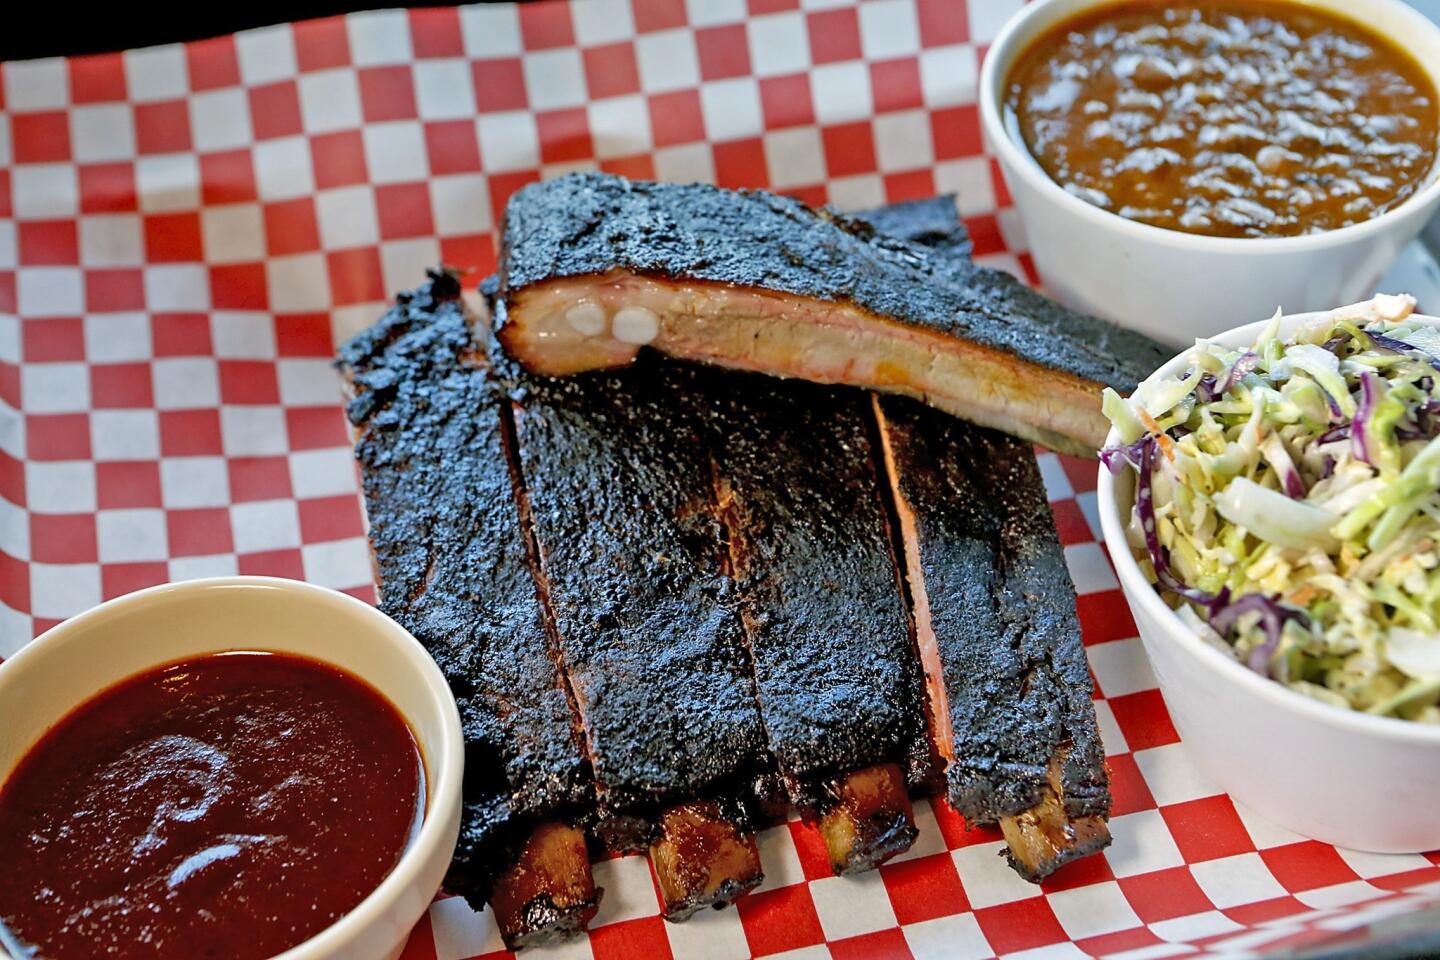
{"x":186,"y":232}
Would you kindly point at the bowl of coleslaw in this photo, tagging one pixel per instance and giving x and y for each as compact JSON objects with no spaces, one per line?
{"x":1271,"y":501}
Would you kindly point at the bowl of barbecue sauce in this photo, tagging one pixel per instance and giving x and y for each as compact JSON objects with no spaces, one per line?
{"x":1177,"y":163}
{"x":237,"y":768}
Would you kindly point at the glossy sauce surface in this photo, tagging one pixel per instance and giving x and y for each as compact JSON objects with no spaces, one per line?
{"x":1231,"y":118}
{"x":228,"y":806}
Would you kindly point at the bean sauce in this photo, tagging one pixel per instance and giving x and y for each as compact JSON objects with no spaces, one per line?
{"x":1231,"y":118}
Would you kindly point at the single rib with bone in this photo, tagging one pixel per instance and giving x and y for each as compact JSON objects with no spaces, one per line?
{"x":618,"y":496}
{"x":791,"y":595}
{"x":594,"y":267}
{"x":452,"y":562}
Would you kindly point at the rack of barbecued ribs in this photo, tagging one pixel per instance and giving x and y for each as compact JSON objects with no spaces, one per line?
{"x":677,"y":603}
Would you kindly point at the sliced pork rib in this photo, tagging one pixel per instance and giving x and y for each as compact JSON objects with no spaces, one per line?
{"x":619,"y":496}
{"x":670,"y":601}
{"x":451,"y":560}
{"x":995,"y":618}
{"x":1047,"y":820}
{"x":840,"y":689}
{"x":593,"y":267}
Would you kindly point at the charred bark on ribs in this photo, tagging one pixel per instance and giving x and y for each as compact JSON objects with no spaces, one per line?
{"x":693,"y":581}
{"x":995,"y":619}
{"x":593,"y":267}
{"x":618,"y":494}
{"x":840,"y":688}
{"x":451,"y":561}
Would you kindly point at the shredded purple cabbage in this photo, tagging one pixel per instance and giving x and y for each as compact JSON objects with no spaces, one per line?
{"x":1327,"y":467}
{"x":1159,"y":556}
{"x":1394,"y":345}
{"x":1294,"y":485}
{"x":1221,"y":612}
{"x":1210,"y":388}
{"x":1243,"y":365}
{"x":1359,"y":437}
{"x":1273,"y":616}
{"x":1426,"y":426}
{"x":1116,"y":459}
{"x":1334,"y":344}
{"x":1145,"y":505}
{"x":1341,"y":432}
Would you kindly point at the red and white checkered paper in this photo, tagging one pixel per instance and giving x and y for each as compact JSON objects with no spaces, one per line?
{"x":187,"y":231}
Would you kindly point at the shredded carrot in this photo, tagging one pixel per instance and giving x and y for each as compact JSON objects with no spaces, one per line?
{"x":1167,"y":446}
{"x":1304,"y":595}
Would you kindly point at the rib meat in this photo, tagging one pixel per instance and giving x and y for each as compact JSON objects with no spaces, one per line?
{"x":620,"y":501}
{"x":686,"y":582}
{"x":995,"y":618}
{"x":927,"y":476}
{"x":451,"y":561}
{"x":594,"y":266}
{"x":840,"y":689}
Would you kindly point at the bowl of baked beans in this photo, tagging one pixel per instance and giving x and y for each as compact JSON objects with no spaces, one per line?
{"x":1178,"y":163}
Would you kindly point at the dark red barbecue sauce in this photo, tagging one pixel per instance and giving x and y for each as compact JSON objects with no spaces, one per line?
{"x":228,"y":806}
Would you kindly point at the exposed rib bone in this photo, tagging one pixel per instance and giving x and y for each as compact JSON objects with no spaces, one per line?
{"x":870,"y":821}
{"x":1044,"y":838}
{"x":754,"y":281}
{"x":702,"y":859}
{"x":549,"y":892}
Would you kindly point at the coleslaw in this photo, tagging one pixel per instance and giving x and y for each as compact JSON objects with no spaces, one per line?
{"x":1288,"y":503}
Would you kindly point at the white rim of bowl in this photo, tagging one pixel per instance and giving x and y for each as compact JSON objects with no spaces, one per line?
{"x":1001,"y":55}
{"x":1128,"y":569}
{"x":448,"y":758}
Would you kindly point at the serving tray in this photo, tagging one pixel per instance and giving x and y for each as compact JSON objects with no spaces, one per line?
{"x":186,"y":232}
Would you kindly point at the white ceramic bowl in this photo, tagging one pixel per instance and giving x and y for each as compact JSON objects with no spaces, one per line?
{"x":84,"y":655}
{"x":1336,"y":775}
{"x":1176,"y":286}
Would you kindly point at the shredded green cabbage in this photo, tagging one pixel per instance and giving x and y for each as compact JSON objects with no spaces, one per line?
{"x":1310,"y":478}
